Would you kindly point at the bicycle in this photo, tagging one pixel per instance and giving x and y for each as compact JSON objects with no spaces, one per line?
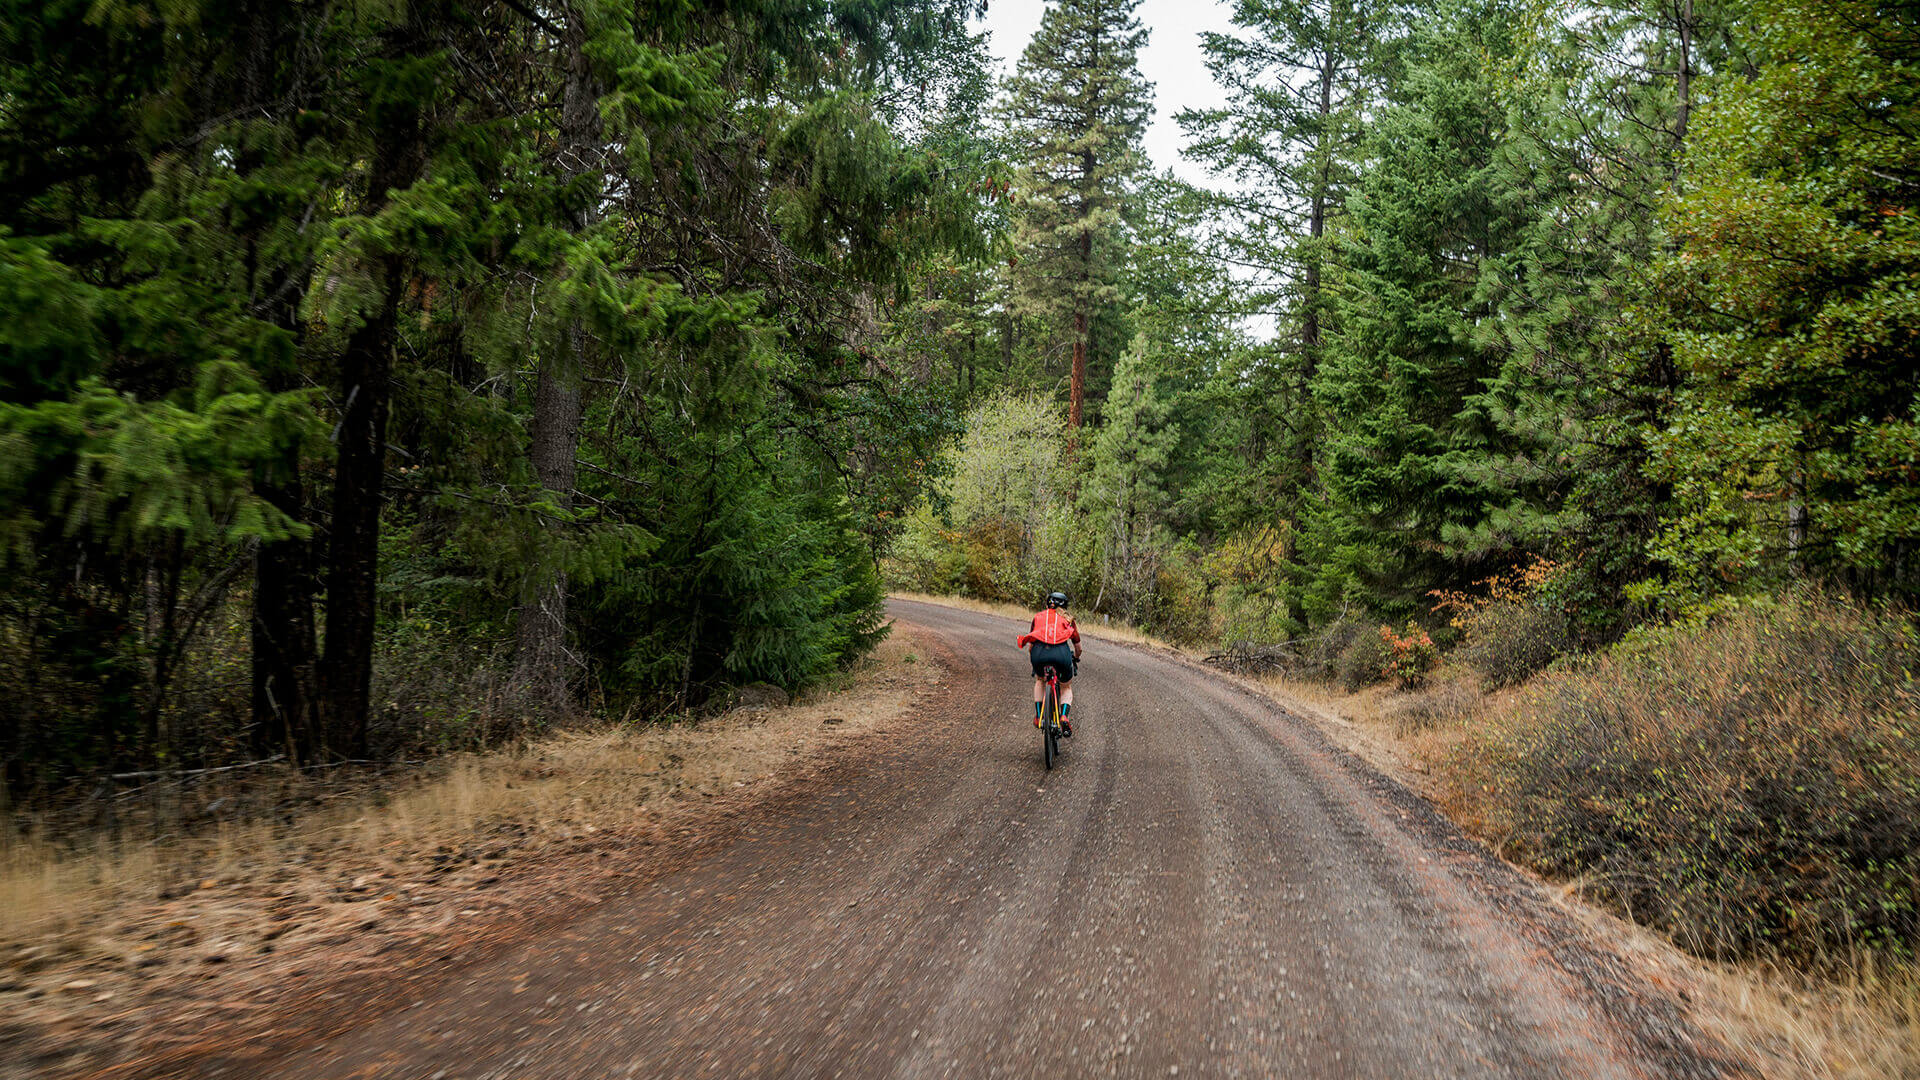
{"x":1050,"y":716}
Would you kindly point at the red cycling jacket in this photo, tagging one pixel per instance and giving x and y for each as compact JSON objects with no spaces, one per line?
{"x":1052,"y":626}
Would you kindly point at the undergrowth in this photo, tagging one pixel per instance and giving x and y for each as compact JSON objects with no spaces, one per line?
{"x":1750,"y":787}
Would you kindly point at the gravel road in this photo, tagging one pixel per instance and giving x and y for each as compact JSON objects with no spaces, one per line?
{"x":1203,"y":887}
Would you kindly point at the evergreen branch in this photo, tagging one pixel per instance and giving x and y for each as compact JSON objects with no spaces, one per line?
{"x":535,"y":18}
{"x":591,"y":467}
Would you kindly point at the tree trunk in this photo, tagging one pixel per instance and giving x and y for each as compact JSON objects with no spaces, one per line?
{"x":353,"y":547}
{"x":1683,"y":110}
{"x":542,"y":664}
{"x":543,"y":667}
{"x":1077,"y":388}
{"x":345,"y":679}
{"x":1797,"y":521}
{"x":1317,"y":223}
{"x":1307,"y":449}
{"x":284,"y":644}
{"x":1077,"y":384}
{"x":284,"y":653}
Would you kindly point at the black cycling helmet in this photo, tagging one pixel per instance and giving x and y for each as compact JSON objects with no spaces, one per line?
{"x":1056,"y":599}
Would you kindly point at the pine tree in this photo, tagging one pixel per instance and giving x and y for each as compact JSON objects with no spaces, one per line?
{"x":1596,"y":118}
{"x":1186,"y":309}
{"x":1300,"y":78}
{"x":1075,"y":109}
{"x":165,"y":329}
{"x":1394,"y":386}
{"x":277,"y":291}
{"x":1299,"y":81}
{"x":1129,"y":494}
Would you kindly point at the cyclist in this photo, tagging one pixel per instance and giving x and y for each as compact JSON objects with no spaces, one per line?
{"x":1050,"y":634}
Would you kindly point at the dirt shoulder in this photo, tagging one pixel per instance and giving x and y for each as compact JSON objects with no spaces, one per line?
{"x":140,"y":960}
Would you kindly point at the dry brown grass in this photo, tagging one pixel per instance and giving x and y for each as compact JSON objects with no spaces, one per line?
{"x":1860,"y":1024}
{"x":1439,"y":704}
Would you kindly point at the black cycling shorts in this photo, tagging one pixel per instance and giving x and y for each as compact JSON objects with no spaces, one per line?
{"x":1060,"y":656}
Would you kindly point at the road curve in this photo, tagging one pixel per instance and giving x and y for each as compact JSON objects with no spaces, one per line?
{"x":1204,"y":887}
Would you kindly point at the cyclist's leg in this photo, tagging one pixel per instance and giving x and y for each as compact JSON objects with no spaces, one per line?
{"x":1039,"y":658}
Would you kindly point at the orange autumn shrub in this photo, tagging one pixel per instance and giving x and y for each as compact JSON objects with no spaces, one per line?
{"x":1409,"y":656}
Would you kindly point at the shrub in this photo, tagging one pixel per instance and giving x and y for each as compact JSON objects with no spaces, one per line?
{"x":1751,"y":786}
{"x":1442,"y":704}
{"x":1517,"y":628}
{"x":926,"y":556}
{"x":1409,"y":656}
{"x":1512,"y":641}
{"x":1324,"y":649}
{"x":1180,"y":608}
{"x":993,"y":557}
{"x":439,"y":685}
{"x":1362,"y":662}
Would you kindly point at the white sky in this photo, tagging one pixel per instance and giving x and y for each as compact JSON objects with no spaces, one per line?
{"x":1171,"y":60}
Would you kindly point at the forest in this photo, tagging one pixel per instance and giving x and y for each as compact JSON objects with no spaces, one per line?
{"x":387,"y":377}
{"x":1620,"y":291}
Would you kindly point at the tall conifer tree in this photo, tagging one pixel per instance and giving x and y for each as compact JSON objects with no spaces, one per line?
{"x":1300,"y":77}
{"x":1299,"y":83}
{"x":1075,"y":110}
{"x":1393,"y":386}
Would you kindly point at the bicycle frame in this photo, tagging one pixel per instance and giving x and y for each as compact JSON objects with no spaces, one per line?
{"x":1050,"y":716}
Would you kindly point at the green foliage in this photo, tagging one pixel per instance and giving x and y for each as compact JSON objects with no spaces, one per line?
{"x":1127,"y":496}
{"x":1511,"y":641}
{"x":1364,"y":661}
{"x":1074,"y":112}
{"x":268,"y":269}
{"x":1792,"y":308}
{"x":1246,"y":575}
{"x":1009,"y":462}
{"x":757,"y":575}
{"x":1002,"y":518}
{"x":1300,"y":80}
{"x":1393,"y":389}
{"x":123,"y":472}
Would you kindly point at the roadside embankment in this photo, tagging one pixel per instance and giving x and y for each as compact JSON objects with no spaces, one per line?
{"x":111,"y":951}
{"x":1747,"y":788}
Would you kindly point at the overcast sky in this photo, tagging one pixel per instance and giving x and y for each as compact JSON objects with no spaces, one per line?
{"x":1171,"y":60}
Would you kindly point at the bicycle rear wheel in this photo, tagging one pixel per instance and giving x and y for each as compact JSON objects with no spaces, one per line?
{"x":1050,"y":725}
